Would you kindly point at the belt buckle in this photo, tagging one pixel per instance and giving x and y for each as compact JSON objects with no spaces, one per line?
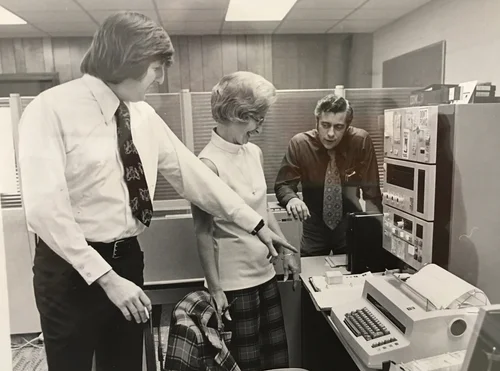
{"x":116,"y":254}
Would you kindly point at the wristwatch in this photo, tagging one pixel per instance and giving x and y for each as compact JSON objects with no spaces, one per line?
{"x":258,"y":227}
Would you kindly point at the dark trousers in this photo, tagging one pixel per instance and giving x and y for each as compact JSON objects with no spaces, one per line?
{"x":318,"y":239}
{"x":78,"y":319}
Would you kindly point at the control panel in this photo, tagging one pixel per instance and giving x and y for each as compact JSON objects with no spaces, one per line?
{"x":417,"y":190}
{"x":407,"y":237}
{"x":410,"y":187}
{"x":411,"y":134}
{"x":397,"y":199}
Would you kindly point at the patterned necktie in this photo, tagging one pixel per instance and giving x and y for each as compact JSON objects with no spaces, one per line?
{"x":332,"y":196}
{"x":140,"y":200}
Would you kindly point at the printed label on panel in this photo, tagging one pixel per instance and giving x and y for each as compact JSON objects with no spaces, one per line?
{"x":397,"y":127}
{"x":424,"y":118}
{"x":406,"y":142}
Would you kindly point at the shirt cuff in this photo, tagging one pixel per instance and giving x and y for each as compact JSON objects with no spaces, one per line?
{"x":247,"y":218}
{"x":287,"y":198}
{"x":92,"y":266}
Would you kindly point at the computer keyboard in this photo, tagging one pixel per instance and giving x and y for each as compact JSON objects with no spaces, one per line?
{"x":374,"y":338}
{"x":363,"y":323}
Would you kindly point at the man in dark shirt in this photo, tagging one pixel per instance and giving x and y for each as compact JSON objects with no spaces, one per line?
{"x":333,"y":163}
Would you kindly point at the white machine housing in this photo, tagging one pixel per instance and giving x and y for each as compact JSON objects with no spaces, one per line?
{"x":415,"y":332}
{"x":411,"y":134}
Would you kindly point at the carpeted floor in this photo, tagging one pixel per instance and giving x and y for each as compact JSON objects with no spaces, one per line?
{"x":28,"y":353}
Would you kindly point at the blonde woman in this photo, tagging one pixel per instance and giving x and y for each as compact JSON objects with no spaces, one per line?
{"x":236,"y":264}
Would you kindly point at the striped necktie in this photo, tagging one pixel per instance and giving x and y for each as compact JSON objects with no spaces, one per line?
{"x":332,"y":196}
{"x":140,"y":200}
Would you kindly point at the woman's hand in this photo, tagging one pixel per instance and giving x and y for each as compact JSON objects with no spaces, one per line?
{"x":291,"y":265}
{"x":221,"y":302}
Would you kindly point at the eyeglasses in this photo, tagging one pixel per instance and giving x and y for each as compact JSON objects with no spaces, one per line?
{"x":259,"y":121}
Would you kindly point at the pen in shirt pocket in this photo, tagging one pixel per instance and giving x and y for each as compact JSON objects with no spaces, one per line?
{"x":349,"y":174}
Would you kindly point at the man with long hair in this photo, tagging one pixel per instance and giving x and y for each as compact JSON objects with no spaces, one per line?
{"x":90,"y":150}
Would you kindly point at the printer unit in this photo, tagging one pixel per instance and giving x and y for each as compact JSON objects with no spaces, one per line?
{"x":395,"y":321}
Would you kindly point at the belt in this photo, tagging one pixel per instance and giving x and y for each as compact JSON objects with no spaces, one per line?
{"x":116,"y":249}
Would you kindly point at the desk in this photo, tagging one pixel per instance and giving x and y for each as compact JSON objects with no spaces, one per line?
{"x":323,"y":349}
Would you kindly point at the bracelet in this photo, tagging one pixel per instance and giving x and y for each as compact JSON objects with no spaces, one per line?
{"x":288,"y":254}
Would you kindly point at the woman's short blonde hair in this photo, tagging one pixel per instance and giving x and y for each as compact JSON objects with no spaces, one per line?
{"x":240,"y":96}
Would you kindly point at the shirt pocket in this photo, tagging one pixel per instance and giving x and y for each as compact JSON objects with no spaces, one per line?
{"x":352,"y":176}
{"x":95,"y":151}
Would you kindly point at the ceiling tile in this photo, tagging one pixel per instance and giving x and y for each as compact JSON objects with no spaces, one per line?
{"x":192,"y":4}
{"x":54,"y":16}
{"x":60,"y":27}
{"x":317,"y":14}
{"x":289,"y":26}
{"x":192,"y":28}
{"x":206,"y":32}
{"x":196,"y":15}
{"x":21,"y":30}
{"x":367,"y":25}
{"x":253,"y":31}
{"x":39,"y":5}
{"x":394,"y":4}
{"x":377,"y":14}
{"x":328,"y":4}
{"x":249,"y":27}
{"x":116,"y":4}
{"x":71,"y":33}
{"x":101,"y":15}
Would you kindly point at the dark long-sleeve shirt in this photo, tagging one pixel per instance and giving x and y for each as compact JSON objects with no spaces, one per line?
{"x":306,"y":161}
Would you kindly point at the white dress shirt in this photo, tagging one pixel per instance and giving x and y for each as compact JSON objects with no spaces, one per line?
{"x":72,"y":174}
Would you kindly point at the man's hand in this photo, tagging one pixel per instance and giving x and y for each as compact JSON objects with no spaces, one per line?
{"x":291,"y":265}
{"x":270,"y":239}
{"x":127,"y":296}
{"x":298,"y":209}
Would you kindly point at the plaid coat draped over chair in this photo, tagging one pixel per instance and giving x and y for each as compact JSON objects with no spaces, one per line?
{"x":196,"y":339}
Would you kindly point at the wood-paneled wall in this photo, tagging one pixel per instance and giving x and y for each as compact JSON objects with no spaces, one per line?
{"x":32,"y":55}
{"x":289,"y":61}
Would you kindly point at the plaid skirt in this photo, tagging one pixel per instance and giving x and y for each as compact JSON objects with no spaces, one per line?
{"x":258,"y":331}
